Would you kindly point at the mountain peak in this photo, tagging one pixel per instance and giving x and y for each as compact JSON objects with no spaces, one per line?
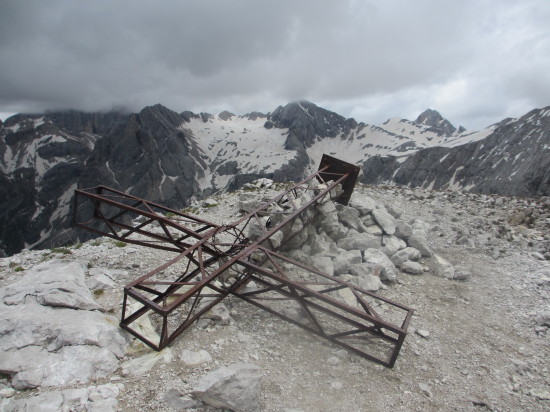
{"x":434,"y":120}
{"x":309,"y":121}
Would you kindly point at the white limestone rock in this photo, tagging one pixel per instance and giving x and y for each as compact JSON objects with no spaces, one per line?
{"x":442,"y":267}
{"x":101,"y":398}
{"x":419,"y":241}
{"x":220,"y":313}
{"x":384,"y":220}
{"x":34,"y":366}
{"x":375,"y":230}
{"x":248,"y":201}
{"x":99,"y":281}
{"x":389,"y":272}
{"x":236,"y":387}
{"x":392,"y":244}
{"x":359,"y":241}
{"x":402,"y":229}
{"x":348,"y":216}
{"x":294,"y":235}
{"x":327,"y":208}
{"x":45,"y":340}
{"x":322,"y":245}
{"x":367,"y":276}
{"x":56,"y":283}
{"x":364,"y":204}
{"x":345,"y":260}
{"x":409,"y":253}
{"x":179,"y":401}
{"x":412,"y":268}
{"x":256,"y":228}
{"x":331,"y":225}
{"x":143,"y":364}
{"x":393,"y":210}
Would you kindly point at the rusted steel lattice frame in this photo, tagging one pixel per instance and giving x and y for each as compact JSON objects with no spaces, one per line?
{"x":208,"y":261}
{"x":125,"y":208}
{"x":203,"y":276}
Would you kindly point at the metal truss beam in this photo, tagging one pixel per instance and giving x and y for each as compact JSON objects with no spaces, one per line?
{"x":215,"y":261}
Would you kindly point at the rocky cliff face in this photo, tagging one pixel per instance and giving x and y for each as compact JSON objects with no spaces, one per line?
{"x":147,"y":155}
{"x":513,"y":160}
{"x":46,"y":157}
{"x":41,"y":163}
{"x":168,"y":158}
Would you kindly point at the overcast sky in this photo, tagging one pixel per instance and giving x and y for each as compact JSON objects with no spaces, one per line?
{"x":476,"y":62}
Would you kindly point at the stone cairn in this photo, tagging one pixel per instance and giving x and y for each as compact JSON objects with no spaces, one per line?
{"x":365,"y":242}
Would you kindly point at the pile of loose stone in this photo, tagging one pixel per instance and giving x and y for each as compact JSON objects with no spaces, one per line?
{"x":364,"y":242}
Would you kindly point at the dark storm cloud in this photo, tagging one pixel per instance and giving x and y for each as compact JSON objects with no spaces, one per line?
{"x":476,"y":62}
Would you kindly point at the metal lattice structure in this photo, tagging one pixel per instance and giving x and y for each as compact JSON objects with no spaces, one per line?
{"x":244,"y":259}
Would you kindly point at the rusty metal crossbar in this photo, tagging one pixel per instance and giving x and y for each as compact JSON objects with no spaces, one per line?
{"x":243,"y":259}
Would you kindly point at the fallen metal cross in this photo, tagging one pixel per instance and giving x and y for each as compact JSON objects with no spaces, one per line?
{"x":214,"y":261}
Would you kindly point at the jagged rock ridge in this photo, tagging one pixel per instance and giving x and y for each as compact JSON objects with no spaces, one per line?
{"x":169,"y":158}
{"x":513,"y":160}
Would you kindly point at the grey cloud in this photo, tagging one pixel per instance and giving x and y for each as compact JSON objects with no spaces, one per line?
{"x":360,"y":58}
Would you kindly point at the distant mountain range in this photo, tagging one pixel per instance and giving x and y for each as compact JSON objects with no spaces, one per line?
{"x":169,"y":158}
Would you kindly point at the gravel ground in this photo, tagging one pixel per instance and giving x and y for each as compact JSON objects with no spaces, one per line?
{"x":477,"y":344}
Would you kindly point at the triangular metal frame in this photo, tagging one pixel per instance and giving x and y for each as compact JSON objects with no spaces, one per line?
{"x":215,"y":261}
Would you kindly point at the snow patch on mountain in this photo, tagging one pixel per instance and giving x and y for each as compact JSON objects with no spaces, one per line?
{"x":238,"y":144}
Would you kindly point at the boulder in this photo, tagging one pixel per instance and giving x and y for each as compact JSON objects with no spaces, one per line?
{"x":369,"y":282}
{"x":327,"y":208}
{"x":364,"y":204}
{"x":100,"y":281}
{"x":384,"y":220}
{"x":256,"y":228}
{"x":442,"y":267}
{"x":367,"y":276}
{"x":331,"y":225}
{"x":368,"y":220}
{"x":543,"y":318}
{"x":322,"y":245}
{"x":45,"y":340}
{"x":294,"y":235}
{"x":220,"y":313}
{"x":393,"y":210}
{"x":55,"y":283}
{"x":389,"y":272}
{"x":412,"y":268}
{"x":402,"y":229}
{"x":391,"y":244}
{"x":300,"y":256}
{"x":179,"y":401}
{"x":349,"y":217}
{"x":408,"y":253}
{"x":236,"y":387}
{"x":375,"y":230}
{"x":345,"y":260}
{"x":359,"y":241}
{"x":419,"y":241}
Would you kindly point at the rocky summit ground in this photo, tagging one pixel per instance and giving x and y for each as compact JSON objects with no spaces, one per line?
{"x":477,"y":342}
